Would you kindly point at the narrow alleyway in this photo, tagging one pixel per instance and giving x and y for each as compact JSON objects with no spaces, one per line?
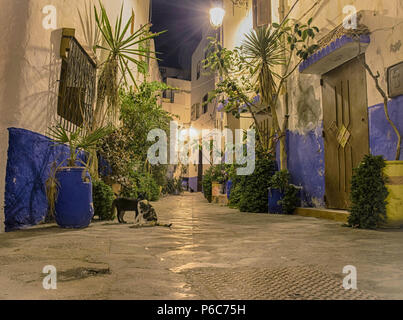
{"x":211,"y":252}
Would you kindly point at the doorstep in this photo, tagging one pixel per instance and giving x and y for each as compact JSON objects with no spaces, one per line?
{"x":336,"y":215}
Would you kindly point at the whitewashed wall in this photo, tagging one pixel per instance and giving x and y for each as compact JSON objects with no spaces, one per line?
{"x":30,"y":62}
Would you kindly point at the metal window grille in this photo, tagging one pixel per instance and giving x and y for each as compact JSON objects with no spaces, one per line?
{"x":205,"y":104}
{"x":169,"y":94}
{"x":197,"y":110}
{"x":77,"y":85}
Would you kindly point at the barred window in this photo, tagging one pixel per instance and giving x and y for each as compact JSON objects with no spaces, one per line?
{"x":77,"y":83}
{"x":195,"y":111}
{"x":169,"y":94}
{"x":205,"y":103}
{"x":198,"y":71}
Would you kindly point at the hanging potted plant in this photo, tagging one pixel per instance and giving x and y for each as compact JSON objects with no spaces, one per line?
{"x":69,"y":187}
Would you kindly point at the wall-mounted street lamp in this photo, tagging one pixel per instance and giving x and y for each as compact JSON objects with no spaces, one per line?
{"x":217,"y":14}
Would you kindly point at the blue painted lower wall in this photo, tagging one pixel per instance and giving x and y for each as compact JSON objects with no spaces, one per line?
{"x":306,"y":163}
{"x":382,"y":138}
{"x":193,"y":183}
{"x":30,"y":156}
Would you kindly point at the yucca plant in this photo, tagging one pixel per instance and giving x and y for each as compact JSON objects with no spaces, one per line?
{"x":271,"y":49}
{"x":121,"y":47}
{"x":90,"y":30}
{"x":262,"y":49}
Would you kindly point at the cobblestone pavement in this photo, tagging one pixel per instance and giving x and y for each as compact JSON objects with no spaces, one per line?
{"x":211,"y":252}
{"x":287,"y":283}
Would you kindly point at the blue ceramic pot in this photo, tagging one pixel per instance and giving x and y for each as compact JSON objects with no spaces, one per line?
{"x":74,"y":207}
{"x":275,"y":195}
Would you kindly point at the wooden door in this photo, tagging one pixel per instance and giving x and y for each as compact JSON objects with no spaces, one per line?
{"x":345,"y":124}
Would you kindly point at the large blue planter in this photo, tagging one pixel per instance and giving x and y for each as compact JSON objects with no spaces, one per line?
{"x":275,"y":195}
{"x":74,"y":207}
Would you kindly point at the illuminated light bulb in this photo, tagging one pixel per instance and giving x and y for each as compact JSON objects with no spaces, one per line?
{"x":217,"y":17}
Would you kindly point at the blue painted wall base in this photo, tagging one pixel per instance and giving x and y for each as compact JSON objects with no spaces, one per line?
{"x":306,"y":163}
{"x":193,"y":183}
{"x":382,"y":138}
{"x":30,"y":156}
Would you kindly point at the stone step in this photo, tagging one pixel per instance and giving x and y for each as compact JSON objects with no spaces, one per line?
{"x":330,"y":214}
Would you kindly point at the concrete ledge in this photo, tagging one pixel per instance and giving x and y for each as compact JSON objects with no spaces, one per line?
{"x":336,"y":215}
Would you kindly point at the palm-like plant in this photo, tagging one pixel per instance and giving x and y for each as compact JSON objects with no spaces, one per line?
{"x":76,"y":141}
{"x":263,"y":51}
{"x":90,"y":30}
{"x":121,"y":49}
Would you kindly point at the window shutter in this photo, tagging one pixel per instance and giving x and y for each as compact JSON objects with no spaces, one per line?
{"x":261,"y":13}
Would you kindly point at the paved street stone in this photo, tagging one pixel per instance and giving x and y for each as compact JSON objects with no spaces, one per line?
{"x":211,"y":252}
{"x":288,"y":283}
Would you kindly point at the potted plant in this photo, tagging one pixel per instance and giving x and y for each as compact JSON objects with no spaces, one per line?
{"x":69,"y":187}
{"x":278,"y":184}
{"x":393,"y":170}
{"x":368,"y":194}
{"x":178,"y":186}
{"x":283,"y":196}
{"x":219,"y":178}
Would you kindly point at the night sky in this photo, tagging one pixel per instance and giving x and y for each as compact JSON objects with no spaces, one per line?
{"x":184,"y":20}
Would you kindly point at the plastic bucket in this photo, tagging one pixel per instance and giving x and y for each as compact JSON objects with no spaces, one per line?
{"x":74,"y":207}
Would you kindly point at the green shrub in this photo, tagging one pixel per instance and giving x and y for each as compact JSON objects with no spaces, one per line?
{"x":219,"y":173}
{"x":290,"y":199}
{"x":141,"y":182}
{"x":368,"y":194}
{"x":178,"y":185}
{"x":281,"y":181}
{"x":159,"y":173}
{"x":102,"y":198}
{"x":173,"y":186}
{"x":235,"y":195}
{"x":216,"y":173}
{"x":149,"y":187}
{"x":169,"y":188}
{"x":254,"y":194}
{"x":207,"y":187}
